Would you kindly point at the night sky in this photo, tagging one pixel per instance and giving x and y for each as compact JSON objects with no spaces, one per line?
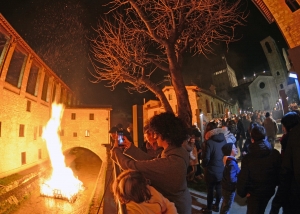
{"x":59,"y":32}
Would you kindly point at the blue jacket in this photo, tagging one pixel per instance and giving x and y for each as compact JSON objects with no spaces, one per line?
{"x":230,"y":173}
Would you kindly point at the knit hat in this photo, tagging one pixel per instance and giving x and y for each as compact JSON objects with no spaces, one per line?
{"x":227,"y":148}
{"x":289,"y":120}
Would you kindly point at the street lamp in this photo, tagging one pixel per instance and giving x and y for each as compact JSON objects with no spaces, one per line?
{"x":201,"y":124}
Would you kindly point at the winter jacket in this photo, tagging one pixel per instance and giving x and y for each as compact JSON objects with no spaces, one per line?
{"x":271,"y":127}
{"x":240,"y":130}
{"x":288,"y":191}
{"x":167,"y":174}
{"x":156,"y":204}
{"x":230,"y":173}
{"x":246,"y":124}
{"x":212,"y":156}
{"x":259,"y":171}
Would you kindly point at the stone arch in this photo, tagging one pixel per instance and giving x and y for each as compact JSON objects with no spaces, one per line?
{"x":74,"y":154}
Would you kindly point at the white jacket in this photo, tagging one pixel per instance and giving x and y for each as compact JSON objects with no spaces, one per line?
{"x":157,"y":204}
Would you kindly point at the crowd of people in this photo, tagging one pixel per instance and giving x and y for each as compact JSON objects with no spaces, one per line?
{"x":154,"y":178}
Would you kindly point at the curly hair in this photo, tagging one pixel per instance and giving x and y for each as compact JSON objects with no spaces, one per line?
{"x":169,"y":127}
{"x":131,"y":185}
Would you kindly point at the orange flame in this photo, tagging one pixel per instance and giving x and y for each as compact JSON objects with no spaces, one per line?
{"x":62,"y":183}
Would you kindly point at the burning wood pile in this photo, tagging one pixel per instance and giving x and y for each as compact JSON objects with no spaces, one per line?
{"x":62,"y":184}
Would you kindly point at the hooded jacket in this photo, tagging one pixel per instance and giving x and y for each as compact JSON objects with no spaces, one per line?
{"x":230,"y":173}
{"x":212,"y":155}
{"x":259,"y":171}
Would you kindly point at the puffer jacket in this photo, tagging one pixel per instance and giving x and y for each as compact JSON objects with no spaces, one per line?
{"x":230,"y":173}
{"x":212,"y":156}
{"x":259,"y":173}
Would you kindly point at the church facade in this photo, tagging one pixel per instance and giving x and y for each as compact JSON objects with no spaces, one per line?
{"x":264,"y":90}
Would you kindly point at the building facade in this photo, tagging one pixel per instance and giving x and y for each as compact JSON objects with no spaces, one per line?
{"x":202,"y":101}
{"x":264,"y":90}
{"x":286,"y":14}
{"x":28,"y":87}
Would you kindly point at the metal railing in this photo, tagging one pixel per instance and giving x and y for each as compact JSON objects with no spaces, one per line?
{"x":121,"y":207}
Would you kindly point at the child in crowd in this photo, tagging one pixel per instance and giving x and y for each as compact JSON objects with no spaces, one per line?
{"x":193,"y":160}
{"x":230,"y":174}
{"x":133,"y":189}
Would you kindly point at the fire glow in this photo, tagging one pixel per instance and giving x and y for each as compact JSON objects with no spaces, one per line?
{"x":62,"y":183}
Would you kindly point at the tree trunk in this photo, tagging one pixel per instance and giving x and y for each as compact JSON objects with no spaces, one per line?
{"x":159,"y":94}
{"x":183,"y":103}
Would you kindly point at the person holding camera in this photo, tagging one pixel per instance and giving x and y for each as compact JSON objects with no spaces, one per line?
{"x":168,"y":172}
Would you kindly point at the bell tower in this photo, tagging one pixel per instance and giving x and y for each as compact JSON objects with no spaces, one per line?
{"x":276,"y":63}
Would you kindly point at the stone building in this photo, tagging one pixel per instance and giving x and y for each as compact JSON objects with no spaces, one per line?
{"x":224,"y":78}
{"x":264,"y":90}
{"x":268,"y":91}
{"x":207,"y":102}
{"x":286,"y":14}
{"x":28,"y":87}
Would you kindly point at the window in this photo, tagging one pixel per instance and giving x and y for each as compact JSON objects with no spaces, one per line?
{"x":21,"y":130}
{"x":262,"y":85}
{"x":28,"y":107}
{"x":32,"y":79}
{"x":4,"y":42}
{"x":35,"y":133}
{"x":176,"y":109}
{"x":23,"y":157}
{"x":207,"y":106}
{"x":87,"y":133}
{"x":170,"y":97}
{"x":281,"y":86}
{"x":74,"y":134}
{"x":40,"y":131}
{"x":45,"y":88}
{"x":277,"y":73}
{"x":292,"y":4}
{"x":62,"y":132}
{"x":269,"y":49}
{"x":40,"y":154}
{"x":73,"y":116}
{"x":91,"y":116}
{"x":16,"y":68}
{"x":54,"y":93}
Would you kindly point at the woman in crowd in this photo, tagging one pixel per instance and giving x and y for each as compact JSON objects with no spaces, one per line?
{"x":132,"y":189}
{"x":193,"y":160}
{"x":212,"y":161}
{"x":167,"y":173}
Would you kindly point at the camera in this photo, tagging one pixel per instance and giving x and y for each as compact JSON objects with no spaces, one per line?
{"x":120,"y":138}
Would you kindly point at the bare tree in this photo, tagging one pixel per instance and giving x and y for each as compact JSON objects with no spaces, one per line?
{"x":142,"y":39}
